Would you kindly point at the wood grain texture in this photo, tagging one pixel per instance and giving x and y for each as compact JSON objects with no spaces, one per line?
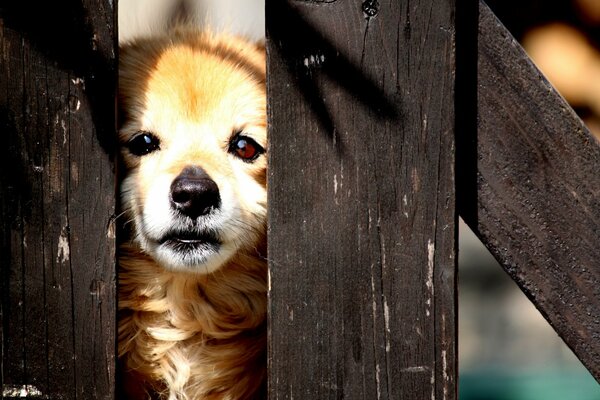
{"x":361,"y":199}
{"x":57,"y":186}
{"x":537,"y":191}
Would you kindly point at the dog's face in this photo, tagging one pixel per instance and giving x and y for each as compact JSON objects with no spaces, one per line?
{"x":193,"y":141}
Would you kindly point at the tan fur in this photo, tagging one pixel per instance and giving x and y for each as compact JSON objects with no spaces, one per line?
{"x":194,"y":334}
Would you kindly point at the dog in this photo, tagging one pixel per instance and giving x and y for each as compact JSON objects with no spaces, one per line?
{"x":192,"y":267}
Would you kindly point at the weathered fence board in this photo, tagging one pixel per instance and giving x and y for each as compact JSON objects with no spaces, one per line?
{"x":361,"y":199}
{"x":537,"y":189}
{"x":57,"y":81}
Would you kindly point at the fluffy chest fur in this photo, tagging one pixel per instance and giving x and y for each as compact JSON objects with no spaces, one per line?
{"x":193,"y":337}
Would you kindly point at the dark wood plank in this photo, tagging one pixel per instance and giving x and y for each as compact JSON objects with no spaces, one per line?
{"x":537,"y":205}
{"x":361,"y":200}
{"x":57,"y":80}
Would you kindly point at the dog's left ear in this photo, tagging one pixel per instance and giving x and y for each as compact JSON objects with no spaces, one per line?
{"x":260,"y":45}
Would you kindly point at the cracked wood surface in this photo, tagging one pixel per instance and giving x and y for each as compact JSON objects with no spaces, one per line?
{"x":361,"y":200}
{"x":58,"y":298}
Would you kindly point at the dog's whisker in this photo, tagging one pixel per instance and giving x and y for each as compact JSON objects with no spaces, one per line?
{"x":121,"y":214}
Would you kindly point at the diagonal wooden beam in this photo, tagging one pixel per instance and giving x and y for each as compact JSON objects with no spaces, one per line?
{"x":535,"y":198}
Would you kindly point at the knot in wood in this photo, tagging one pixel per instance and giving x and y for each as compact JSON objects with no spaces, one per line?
{"x":370,"y":8}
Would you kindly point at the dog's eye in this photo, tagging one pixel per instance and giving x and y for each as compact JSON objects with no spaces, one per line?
{"x":245,"y":148}
{"x":143,"y":143}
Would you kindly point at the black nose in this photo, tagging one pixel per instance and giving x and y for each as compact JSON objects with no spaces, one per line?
{"x":194,"y":193}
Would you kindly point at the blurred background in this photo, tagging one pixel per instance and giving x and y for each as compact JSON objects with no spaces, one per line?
{"x":563,"y":39}
{"x":507,"y":350}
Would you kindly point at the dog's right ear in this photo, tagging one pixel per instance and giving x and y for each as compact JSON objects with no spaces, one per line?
{"x":142,"y":18}
{"x":120,"y":108}
{"x":180,"y":15}
{"x":121,"y":112}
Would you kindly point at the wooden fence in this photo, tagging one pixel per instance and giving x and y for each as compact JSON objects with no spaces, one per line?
{"x":57,"y":199}
{"x":371,"y":103}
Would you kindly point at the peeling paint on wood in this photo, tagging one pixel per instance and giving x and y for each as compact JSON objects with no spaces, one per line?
{"x":63,"y":252}
{"x":20,"y":391}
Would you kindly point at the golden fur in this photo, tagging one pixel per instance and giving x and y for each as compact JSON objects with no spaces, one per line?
{"x":193,"y":331}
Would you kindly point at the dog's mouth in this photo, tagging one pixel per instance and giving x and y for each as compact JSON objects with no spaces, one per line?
{"x":200,"y":250}
{"x":188,"y":241}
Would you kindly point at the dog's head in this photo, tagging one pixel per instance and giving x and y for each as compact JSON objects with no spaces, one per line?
{"x":193,"y":135}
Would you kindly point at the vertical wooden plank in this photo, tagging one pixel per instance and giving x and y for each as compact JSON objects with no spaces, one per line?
{"x":537,"y":189}
{"x":361,"y":199}
{"x":57,"y":81}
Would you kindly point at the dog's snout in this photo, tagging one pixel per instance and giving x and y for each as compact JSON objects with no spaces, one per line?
{"x":194,"y":193}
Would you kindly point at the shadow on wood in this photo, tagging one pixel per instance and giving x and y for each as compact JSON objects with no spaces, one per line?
{"x":308,"y":54}
{"x":77,"y":40}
